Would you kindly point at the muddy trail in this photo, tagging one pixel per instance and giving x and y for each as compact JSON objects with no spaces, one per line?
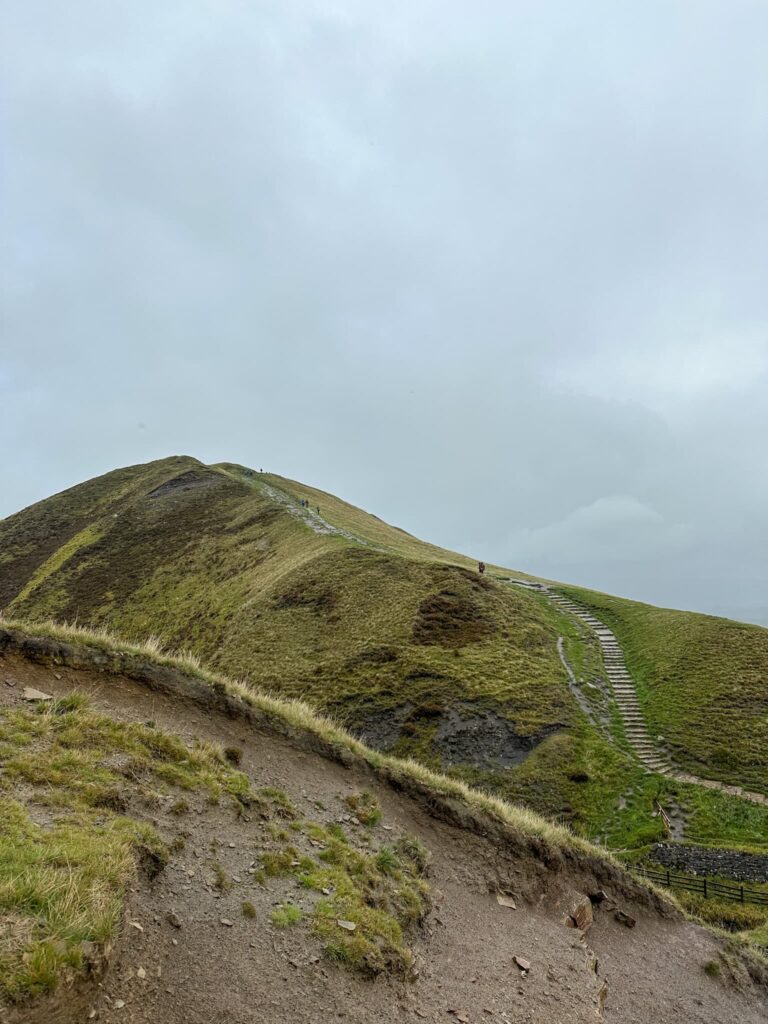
{"x":187,"y":954}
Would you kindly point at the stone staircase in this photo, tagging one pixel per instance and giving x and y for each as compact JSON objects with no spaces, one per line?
{"x":621,"y":683}
{"x":618,"y":675}
{"x":623,"y":687}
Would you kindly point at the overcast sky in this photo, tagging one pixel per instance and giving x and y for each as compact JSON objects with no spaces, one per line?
{"x":493,"y":270}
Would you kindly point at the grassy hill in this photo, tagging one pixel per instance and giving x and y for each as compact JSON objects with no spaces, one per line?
{"x":400,"y":640}
{"x":702,"y":682}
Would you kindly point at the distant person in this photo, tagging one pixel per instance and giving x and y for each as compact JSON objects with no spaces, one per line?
{"x":481,"y":567}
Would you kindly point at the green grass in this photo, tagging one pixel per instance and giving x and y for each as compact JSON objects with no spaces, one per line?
{"x":224,"y":573}
{"x":702,"y":683}
{"x":62,"y":886}
{"x":286,"y":916}
{"x":391,"y":626}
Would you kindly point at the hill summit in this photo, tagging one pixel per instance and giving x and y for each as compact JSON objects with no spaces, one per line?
{"x":300,"y":593}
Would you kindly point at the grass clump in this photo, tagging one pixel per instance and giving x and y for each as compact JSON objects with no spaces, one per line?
{"x":280,"y":803}
{"x":286,"y":916}
{"x":61,"y":887}
{"x":249,"y":910}
{"x":221,"y":879}
{"x":365,"y":807}
{"x":60,"y":891}
{"x":712,"y":969}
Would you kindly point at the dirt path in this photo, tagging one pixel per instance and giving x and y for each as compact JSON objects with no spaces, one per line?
{"x":625,"y":695}
{"x":221,"y":966}
{"x":311,"y":518}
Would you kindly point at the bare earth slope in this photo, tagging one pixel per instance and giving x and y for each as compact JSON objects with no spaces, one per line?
{"x":187,"y":952}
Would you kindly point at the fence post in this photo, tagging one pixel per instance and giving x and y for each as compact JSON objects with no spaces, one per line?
{"x":705,"y":886}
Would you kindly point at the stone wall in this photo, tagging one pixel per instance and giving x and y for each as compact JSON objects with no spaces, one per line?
{"x":703,"y":860}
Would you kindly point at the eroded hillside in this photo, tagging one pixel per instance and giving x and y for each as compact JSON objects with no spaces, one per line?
{"x":302,"y":594}
{"x":210,"y":853}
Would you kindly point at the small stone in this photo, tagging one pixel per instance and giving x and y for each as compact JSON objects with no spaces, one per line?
{"x":601,"y":896}
{"x":625,"y":919}
{"x":522,"y":963}
{"x":57,"y":675}
{"x":141,"y":973}
{"x":30,"y":693}
{"x":9,"y":682}
{"x":505,"y":901}
{"x":119,"y":1004}
{"x":461,"y":1015}
{"x":92,"y":1015}
{"x":231,"y":846}
{"x":173,"y":919}
{"x":326,"y":892}
{"x":581,"y":914}
{"x":174,"y":942}
{"x":225,"y":921}
{"x":137,"y":926}
{"x":348,"y":926}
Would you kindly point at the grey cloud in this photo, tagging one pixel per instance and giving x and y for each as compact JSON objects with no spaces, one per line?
{"x":495,"y":273}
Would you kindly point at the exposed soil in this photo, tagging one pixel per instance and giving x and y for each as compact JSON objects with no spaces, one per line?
{"x":248,"y":971}
{"x":482,"y":738}
{"x":460,"y":734}
{"x":311,"y":594}
{"x":451,"y":619}
{"x":192,"y":480}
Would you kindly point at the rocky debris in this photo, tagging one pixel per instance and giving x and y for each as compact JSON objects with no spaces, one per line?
{"x":10,"y":682}
{"x":505,"y":900}
{"x":461,"y":1015}
{"x":137,"y":926}
{"x":596,"y":898}
{"x":173,"y":919}
{"x":522,"y":963}
{"x":141,"y":973}
{"x":31,"y":694}
{"x":348,"y":926}
{"x":623,"y":918}
{"x":602,"y":995}
{"x":580,"y":915}
{"x":226,"y":922}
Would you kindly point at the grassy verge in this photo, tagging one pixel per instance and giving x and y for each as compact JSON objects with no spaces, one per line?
{"x":62,"y":878}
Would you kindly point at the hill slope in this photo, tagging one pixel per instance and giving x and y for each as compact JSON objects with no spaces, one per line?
{"x":400,"y":640}
{"x":702,"y":682}
{"x":213,"y":854}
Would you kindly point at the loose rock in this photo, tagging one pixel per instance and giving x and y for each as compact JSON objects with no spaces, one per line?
{"x":30,"y":693}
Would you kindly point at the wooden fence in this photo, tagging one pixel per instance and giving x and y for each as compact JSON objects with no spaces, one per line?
{"x":706,"y":887}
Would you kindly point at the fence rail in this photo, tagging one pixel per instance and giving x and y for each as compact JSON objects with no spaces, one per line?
{"x":706,"y":887}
